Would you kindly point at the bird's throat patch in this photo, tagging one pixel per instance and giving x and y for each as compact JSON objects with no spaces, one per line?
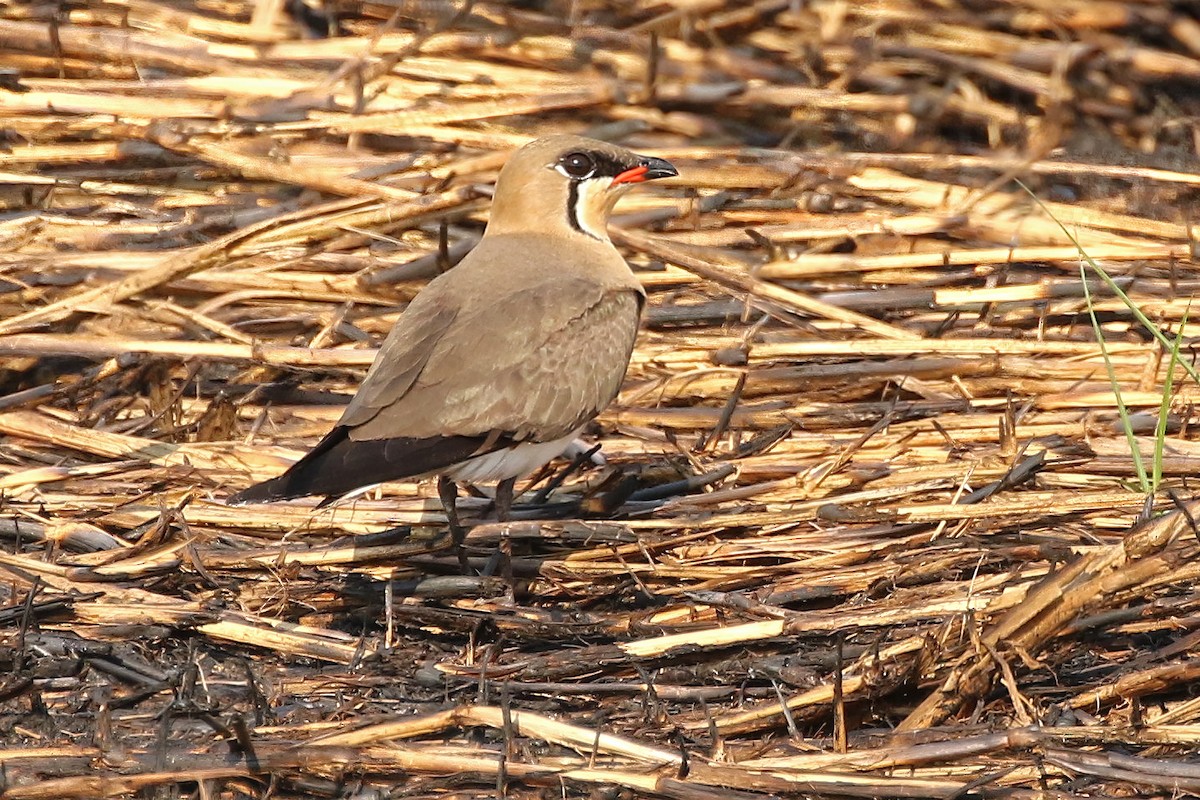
{"x":586,"y":201}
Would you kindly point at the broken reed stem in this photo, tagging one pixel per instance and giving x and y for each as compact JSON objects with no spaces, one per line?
{"x":210,"y":221}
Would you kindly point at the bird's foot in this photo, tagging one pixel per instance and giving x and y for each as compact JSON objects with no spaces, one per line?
{"x":448,"y":493}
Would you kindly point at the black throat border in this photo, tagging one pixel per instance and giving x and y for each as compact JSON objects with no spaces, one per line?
{"x":573,"y":210}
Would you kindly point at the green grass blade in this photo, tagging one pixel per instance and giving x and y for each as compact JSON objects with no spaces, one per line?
{"x":1138,"y":466}
{"x":1160,"y":430}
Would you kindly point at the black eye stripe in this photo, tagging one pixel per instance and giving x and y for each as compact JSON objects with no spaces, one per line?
{"x":602,"y":165}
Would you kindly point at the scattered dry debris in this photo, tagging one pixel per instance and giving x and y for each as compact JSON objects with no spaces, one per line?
{"x":870,"y":523}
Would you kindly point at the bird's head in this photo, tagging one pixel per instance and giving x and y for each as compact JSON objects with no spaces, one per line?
{"x":569,"y":185}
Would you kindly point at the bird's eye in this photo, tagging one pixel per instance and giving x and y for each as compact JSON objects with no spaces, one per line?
{"x":577,"y":165}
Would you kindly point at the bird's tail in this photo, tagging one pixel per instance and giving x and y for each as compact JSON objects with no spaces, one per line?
{"x":265,"y":492}
{"x":298,"y":481}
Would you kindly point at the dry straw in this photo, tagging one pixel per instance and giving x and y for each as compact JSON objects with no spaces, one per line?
{"x":870,"y":524}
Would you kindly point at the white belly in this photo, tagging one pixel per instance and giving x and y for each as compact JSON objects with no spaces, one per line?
{"x":509,"y":463}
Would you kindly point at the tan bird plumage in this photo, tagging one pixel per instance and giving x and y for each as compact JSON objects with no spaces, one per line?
{"x":496,"y":365}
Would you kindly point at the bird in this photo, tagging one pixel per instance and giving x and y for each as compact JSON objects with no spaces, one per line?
{"x":496,"y":366}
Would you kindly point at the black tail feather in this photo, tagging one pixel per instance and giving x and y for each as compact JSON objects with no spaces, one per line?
{"x":265,"y":492}
{"x":339,"y":465}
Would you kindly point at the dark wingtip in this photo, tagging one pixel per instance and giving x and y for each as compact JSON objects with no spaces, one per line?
{"x":263,"y":492}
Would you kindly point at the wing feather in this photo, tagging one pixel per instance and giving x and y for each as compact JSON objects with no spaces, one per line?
{"x":450,"y":383}
{"x":556,"y":362}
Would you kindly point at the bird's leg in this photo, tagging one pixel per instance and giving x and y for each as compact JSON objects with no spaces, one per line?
{"x":504,"y":501}
{"x":448,"y":493}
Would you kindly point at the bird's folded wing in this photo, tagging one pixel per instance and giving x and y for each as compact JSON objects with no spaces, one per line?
{"x":556,"y":361}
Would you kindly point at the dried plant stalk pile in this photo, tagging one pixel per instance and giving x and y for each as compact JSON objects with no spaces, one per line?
{"x":880,"y":516}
